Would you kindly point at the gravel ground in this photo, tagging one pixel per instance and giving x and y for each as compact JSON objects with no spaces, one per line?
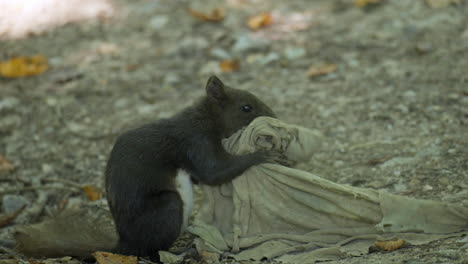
{"x":395,"y":111}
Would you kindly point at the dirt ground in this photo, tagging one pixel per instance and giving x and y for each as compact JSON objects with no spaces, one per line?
{"x":395,"y":111}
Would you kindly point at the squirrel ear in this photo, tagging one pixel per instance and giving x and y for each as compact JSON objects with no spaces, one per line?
{"x":215,"y":88}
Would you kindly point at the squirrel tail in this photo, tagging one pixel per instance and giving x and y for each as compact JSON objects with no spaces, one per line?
{"x":74,"y":232}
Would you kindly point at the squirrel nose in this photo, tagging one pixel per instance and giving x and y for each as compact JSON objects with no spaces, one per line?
{"x":270,"y":113}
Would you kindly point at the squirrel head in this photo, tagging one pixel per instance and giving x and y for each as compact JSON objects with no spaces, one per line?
{"x":233,"y":108}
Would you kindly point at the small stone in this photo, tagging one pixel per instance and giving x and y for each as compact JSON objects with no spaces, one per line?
{"x":465,"y":100}
{"x":12,"y":203}
{"x":211,"y":67}
{"x":46,"y":168}
{"x":146,"y":109}
{"x":51,"y":101}
{"x":9,"y":123}
{"x":220,"y":54}
{"x":338,"y":163}
{"x":400,"y":187}
{"x":121,"y":103}
{"x":424,"y":47}
{"x":293,"y":53}
{"x":427,"y":187}
{"x":452,"y":151}
{"x":171,"y":78}
{"x":8,"y":104}
{"x":158,"y":22}
{"x":409,"y":94}
{"x":269,"y":58}
{"x":245,"y":43}
{"x":448,"y":253}
{"x":193,"y":43}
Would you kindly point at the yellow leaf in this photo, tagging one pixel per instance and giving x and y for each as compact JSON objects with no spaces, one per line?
{"x":229,"y":65}
{"x":390,"y":245}
{"x":23,"y":66}
{"x":91,"y":192}
{"x":215,"y":15}
{"x":5,"y":165}
{"x":315,"y":71}
{"x":109,"y":258}
{"x":441,"y":3}
{"x":260,"y":21}
{"x":363,"y":3}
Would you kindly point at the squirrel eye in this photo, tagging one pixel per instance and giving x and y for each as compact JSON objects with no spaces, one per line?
{"x":247,"y":108}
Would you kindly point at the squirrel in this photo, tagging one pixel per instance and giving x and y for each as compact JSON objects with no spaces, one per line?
{"x":150,"y":171}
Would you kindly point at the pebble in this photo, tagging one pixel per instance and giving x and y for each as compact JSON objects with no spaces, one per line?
{"x":171,"y":78}
{"x":465,"y":100}
{"x":121,"y":103}
{"x":269,"y":58}
{"x":211,"y":67}
{"x":448,"y":253}
{"x":12,"y":203}
{"x":245,"y":43}
{"x":158,"y":22}
{"x":424,"y":47}
{"x":9,"y":122}
{"x":409,"y":94}
{"x":263,"y":59}
{"x":8,"y":104}
{"x":193,"y":43}
{"x":220,"y":54}
{"x":294,"y":53}
{"x":452,"y":151}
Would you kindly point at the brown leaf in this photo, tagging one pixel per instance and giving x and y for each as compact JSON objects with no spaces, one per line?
{"x":109,"y":258}
{"x":260,"y":21}
{"x":390,"y":245}
{"x":209,"y":257}
{"x":441,"y":3}
{"x":91,"y":192}
{"x":5,"y":165}
{"x":324,"y":69}
{"x":9,"y":218}
{"x":23,"y":66}
{"x":229,"y":65}
{"x":364,"y":3}
{"x":215,"y":15}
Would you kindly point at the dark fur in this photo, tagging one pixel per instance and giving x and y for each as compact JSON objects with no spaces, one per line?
{"x":141,"y":170}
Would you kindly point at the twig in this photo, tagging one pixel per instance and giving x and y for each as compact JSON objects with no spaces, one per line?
{"x":67,"y":182}
{"x":36,"y":210}
{"x":9,"y":218}
{"x":35,"y":188}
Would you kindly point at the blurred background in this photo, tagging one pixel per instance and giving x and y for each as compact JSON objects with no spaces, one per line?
{"x":385,"y":81}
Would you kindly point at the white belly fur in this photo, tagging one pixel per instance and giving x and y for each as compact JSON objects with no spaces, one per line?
{"x":184,"y":187}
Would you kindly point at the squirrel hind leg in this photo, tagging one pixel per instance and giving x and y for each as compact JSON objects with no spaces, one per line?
{"x":156,"y":228}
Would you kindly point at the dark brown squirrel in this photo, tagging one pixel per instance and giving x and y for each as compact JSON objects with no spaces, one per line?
{"x":151,"y":168}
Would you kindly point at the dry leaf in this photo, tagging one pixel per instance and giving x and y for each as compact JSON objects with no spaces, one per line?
{"x":91,"y":192}
{"x":364,"y":3}
{"x":109,"y":258}
{"x":315,"y":71}
{"x":390,"y":245}
{"x":8,"y":218}
{"x":23,"y":66}
{"x":215,"y":15}
{"x":209,"y":257}
{"x":441,"y":3}
{"x":260,"y":21}
{"x":5,"y":165}
{"x":229,"y":65}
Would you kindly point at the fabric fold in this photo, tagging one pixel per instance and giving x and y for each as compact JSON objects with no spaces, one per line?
{"x":294,"y":216}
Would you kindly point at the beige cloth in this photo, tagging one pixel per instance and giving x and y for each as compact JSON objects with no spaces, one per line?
{"x":293,"y":216}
